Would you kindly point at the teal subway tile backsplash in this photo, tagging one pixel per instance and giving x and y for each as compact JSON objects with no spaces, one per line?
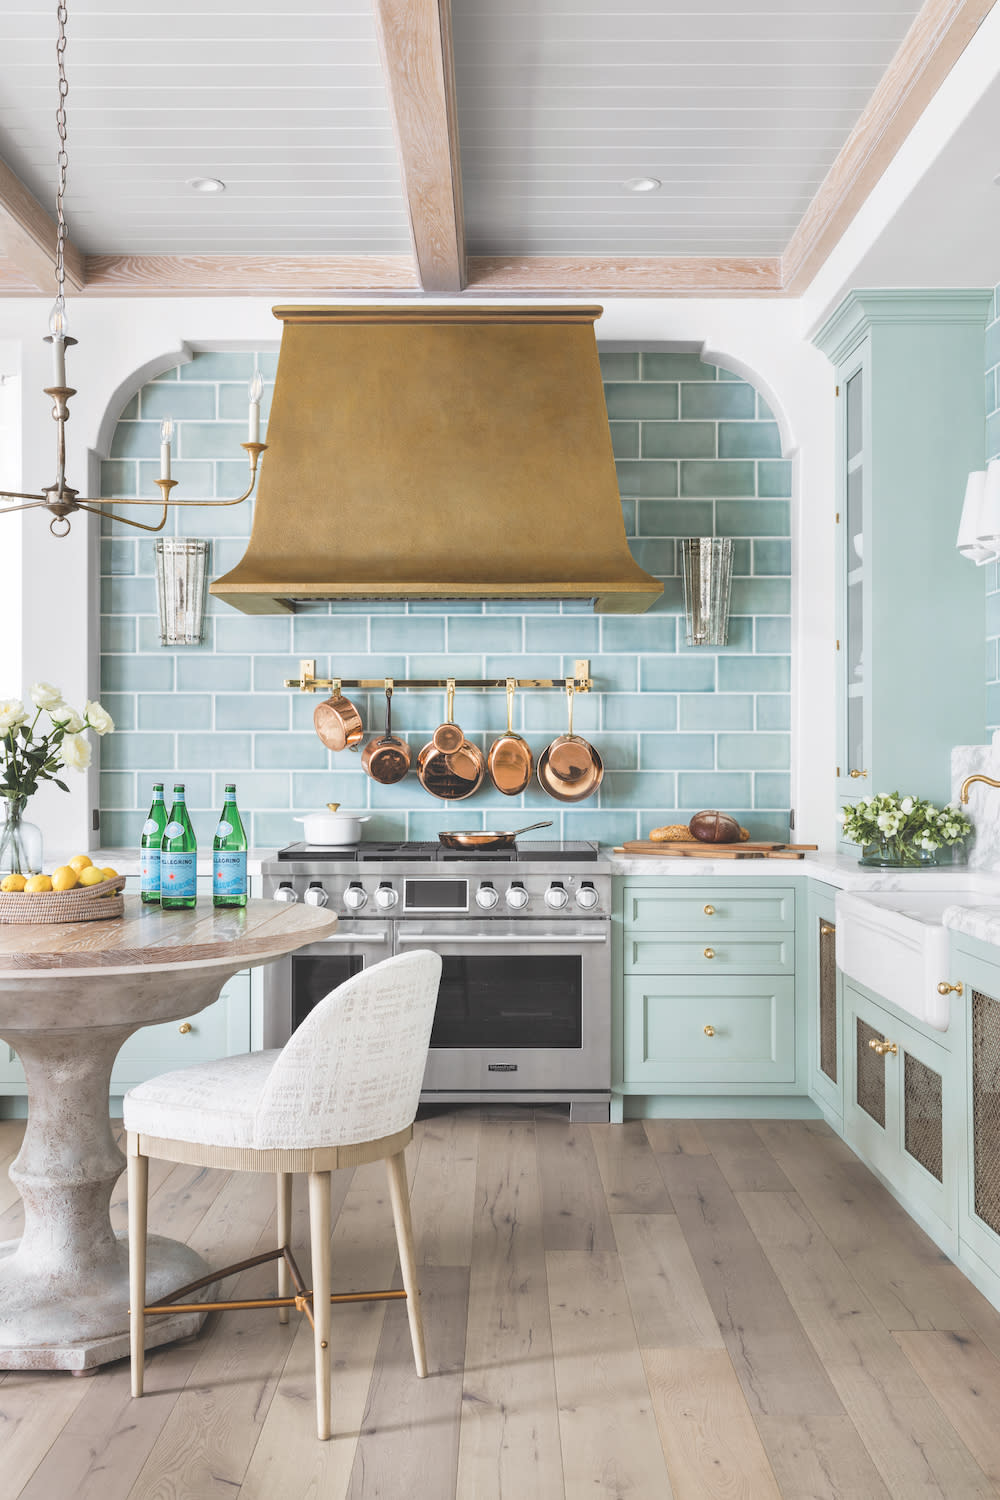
{"x":679,"y":727}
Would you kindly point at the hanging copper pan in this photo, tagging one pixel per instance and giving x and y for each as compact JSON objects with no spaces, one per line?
{"x":447,"y":736}
{"x":451,"y":776}
{"x":386,"y":759}
{"x":338,"y":722}
{"x":569,"y":769}
{"x":510,"y":762}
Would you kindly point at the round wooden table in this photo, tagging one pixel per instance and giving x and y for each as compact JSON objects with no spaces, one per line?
{"x":70,"y":995}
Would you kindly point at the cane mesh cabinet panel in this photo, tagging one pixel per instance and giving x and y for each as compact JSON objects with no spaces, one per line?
{"x":923,"y":1119}
{"x":986,"y":1109}
{"x":824,"y":1002}
{"x":708,"y":987}
{"x":869,"y":1073}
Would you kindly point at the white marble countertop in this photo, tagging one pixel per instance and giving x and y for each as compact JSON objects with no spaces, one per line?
{"x":839,"y":870}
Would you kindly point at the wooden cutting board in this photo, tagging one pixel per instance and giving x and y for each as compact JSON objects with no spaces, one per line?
{"x":695,"y":849}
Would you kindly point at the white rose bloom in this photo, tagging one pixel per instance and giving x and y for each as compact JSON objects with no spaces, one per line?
{"x":906,"y":806}
{"x":67,"y":718}
{"x":75,"y":752}
{"x":11,"y":713}
{"x":868,"y":801}
{"x":885,"y":822}
{"x":98,"y":718}
{"x":44,"y":695}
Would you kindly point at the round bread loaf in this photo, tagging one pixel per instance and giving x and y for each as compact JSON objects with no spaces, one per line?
{"x":713,"y":827}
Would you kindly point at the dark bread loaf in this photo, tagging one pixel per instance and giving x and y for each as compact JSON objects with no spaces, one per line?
{"x":715,"y":828}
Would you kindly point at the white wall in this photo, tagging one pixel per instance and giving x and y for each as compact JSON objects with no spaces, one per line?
{"x":122,"y":342}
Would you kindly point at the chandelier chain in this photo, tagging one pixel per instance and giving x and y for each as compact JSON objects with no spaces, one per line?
{"x":62,"y":159}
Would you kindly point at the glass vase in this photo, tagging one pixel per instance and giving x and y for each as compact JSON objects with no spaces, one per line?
{"x":895,"y":854}
{"x":20,"y":841}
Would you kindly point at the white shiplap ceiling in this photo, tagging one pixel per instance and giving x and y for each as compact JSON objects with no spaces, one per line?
{"x":286,"y":105}
{"x":337,"y":126}
{"x":739,"y":107}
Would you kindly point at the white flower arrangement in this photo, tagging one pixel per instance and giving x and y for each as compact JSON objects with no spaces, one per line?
{"x":911,"y":828}
{"x":28,"y":756}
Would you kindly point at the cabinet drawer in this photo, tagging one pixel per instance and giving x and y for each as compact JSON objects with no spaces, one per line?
{"x":752,"y":1036}
{"x":218,"y":1031}
{"x":728,"y":953}
{"x":705,"y":910}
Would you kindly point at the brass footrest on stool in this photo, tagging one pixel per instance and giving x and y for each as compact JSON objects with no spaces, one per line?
{"x":302,"y":1301}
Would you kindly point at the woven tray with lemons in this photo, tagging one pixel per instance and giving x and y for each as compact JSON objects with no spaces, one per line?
{"x":76,"y":892}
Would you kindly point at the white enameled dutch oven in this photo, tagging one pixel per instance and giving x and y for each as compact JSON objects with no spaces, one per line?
{"x":333,"y":826}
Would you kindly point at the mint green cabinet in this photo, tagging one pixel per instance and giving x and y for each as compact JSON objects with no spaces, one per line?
{"x":823,"y":985}
{"x":976,"y":966}
{"x":706,"y":988}
{"x":910,"y":420}
{"x":904,"y":1107}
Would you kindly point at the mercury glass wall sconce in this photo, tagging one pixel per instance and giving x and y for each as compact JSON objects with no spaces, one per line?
{"x":707,"y":574}
{"x":979,"y":528}
{"x":181,"y":579}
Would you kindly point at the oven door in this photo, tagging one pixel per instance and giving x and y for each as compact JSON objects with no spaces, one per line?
{"x":294,"y":985}
{"x":522,"y":1006}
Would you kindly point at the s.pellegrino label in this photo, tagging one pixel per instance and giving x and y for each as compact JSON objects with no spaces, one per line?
{"x":149,"y":847}
{"x":229,"y":856}
{"x":178,"y":858}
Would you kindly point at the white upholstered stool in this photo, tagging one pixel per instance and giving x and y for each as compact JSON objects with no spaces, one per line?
{"x":343,"y":1091}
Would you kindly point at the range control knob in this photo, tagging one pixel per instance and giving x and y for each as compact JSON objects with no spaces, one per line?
{"x":586,"y":896}
{"x":315,"y":895}
{"x":385,"y":896}
{"x":355,"y":896}
{"x":486,"y":896}
{"x":285,"y":892}
{"x":557,"y":896}
{"x":517,"y":896}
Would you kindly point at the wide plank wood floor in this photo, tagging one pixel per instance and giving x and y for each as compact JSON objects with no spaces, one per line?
{"x":716,"y":1310}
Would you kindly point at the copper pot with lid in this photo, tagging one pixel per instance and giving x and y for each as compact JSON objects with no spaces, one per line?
{"x":338,"y":722}
{"x":386,"y":759}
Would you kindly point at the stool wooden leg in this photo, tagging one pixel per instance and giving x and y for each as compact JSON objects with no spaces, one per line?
{"x":284,"y":1234}
{"x":398,"y":1192}
{"x":319,"y":1233}
{"x":138,"y":1188}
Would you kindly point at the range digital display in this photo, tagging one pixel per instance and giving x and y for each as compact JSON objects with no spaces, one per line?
{"x":435,"y":895}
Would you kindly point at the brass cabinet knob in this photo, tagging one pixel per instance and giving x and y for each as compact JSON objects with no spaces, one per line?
{"x":709,"y":952}
{"x":710,"y":911}
{"x":944,"y":988}
{"x":184,"y":1028}
{"x":826,"y":929}
{"x":883,"y":1047}
{"x":855,"y":774}
{"x":709,"y":1030}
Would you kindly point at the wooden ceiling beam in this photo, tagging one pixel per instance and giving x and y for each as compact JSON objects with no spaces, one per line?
{"x":939,"y":35}
{"x":627,"y":275}
{"x":418,"y":65}
{"x":245,"y":275}
{"x":28,"y":237}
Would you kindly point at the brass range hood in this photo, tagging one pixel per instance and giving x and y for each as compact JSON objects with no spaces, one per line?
{"x":454,"y":452}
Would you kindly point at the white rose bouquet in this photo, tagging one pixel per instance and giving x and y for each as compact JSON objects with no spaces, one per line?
{"x":30,"y":754}
{"x":903,"y":830}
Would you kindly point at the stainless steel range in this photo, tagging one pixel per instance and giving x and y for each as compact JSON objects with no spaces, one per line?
{"x":524,"y":1010}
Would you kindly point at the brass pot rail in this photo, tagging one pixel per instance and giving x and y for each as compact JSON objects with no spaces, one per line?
{"x":308,"y":682}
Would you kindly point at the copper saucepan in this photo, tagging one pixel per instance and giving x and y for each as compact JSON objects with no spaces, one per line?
{"x":338,"y":722}
{"x":451,"y":776}
{"x":485,"y":841}
{"x":447,"y":736}
{"x":569,"y":769}
{"x":510,"y":762}
{"x":386,"y":759}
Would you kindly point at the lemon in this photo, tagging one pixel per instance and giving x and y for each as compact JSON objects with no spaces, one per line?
{"x":80,"y":862}
{"x":109,"y":873}
{"x":91,"y":875}
{"x":63,"y":879}
{"x":12,"y":883}
{"x":36,"y":883}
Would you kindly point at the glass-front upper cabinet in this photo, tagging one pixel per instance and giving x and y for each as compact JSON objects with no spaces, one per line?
{"x":853,"y":759}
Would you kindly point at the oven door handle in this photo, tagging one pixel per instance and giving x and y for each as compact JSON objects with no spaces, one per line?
{"x":428,"y":939}
{"x":355,"y":937}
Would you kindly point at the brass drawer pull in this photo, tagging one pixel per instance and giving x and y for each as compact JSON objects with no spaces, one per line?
{"x":184,"y":1028}
{"x":855,"y":774}
{"x":883,"y":1047}
{"x":709,"y":1030}
{"x":710,"y":911}
{"x":944,"y":988}
{"x":709,"y":952}
{"x":826,"y":929}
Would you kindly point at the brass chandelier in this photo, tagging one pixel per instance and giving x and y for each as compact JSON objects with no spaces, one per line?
{"x":60,"y":499}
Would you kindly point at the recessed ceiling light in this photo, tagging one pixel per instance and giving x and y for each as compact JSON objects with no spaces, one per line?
{"x":206,"y":184}
{"x":642,"y":184}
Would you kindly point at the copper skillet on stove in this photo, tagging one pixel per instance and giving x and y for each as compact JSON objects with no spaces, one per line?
{"x":484,"y":842}
{"x":455,"y":774}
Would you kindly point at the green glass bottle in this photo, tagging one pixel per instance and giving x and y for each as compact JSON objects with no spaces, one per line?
{"x":229,"y":856}
{"x":149,"y":848}
{"x":178,"y":859}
